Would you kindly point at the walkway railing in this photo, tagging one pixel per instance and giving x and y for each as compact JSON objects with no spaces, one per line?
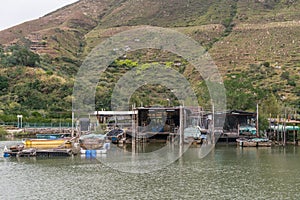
{"x":38,"y":125}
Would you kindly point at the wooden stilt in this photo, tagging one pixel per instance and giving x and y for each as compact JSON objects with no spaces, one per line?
{"x":133,"y":137}
{"x":213,"y":124}
{"x":181,"y":125}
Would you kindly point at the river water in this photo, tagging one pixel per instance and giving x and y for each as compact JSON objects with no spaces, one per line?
{"x":227,"y":172}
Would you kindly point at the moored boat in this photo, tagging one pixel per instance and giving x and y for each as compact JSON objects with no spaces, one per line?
{"x":254,"y":142}
{"x":101,"y":150}
{"x":92,"y":141}
{"x":194,"y":135}
{"x":115,"y":135}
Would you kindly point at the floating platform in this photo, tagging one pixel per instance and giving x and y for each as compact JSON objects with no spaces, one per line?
{"x":20,"y":151}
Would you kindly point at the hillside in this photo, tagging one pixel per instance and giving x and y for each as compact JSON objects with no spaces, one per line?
{"x":255,"y":44}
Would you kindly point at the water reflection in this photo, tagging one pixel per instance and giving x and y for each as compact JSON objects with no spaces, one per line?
{"x":227,"y":172}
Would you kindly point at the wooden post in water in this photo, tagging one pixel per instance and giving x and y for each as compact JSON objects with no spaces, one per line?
{"x":284,"y":135}
{"x":284,"y":131}
{"x":72,"y":131}
{"x":294,"y":134}
{"x":296,"y":137}
{"x":133,"y":131}
{"x":213,"y":124}
{"x":281,"y":133}
{"x":277,"y":130}
{"x":257,"y":125}
{"x":181,"y":125}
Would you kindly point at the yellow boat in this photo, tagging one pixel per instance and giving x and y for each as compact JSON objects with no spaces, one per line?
{"x":47,"y":143}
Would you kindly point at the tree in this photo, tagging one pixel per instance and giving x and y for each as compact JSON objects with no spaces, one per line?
{"x":3,"y":83}
{"x":240,"y":93}
{"x":285,"y":75}
{"x":263,"y":122}
{"x":21,"y":56}
{"x":270,"y":106}
{"x":26,"y":58}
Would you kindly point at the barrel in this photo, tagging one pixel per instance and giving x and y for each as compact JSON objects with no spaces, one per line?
{"x":6,"y":155}
{"x":93,"y":153}
{"x":106,"y":146}
{"x":90,"y":153}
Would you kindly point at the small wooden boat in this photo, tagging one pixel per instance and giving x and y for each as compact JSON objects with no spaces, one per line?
{"x":193,"y":135}
{"x":262,"y":142}
{"x":246,"y":143}
{"x":93,"y":152}
{"x":255,"y":142}
{"x":92,"y":141}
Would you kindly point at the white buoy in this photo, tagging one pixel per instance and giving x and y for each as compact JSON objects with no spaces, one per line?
{"x":6,"y":154}
{"x":106,"y":146}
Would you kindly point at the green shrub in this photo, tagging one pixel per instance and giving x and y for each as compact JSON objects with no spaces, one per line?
{"x":266,"y":64}
{"x":3,"y":131}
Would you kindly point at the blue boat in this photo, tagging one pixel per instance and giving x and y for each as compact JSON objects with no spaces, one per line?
{"x":115,"y":135}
